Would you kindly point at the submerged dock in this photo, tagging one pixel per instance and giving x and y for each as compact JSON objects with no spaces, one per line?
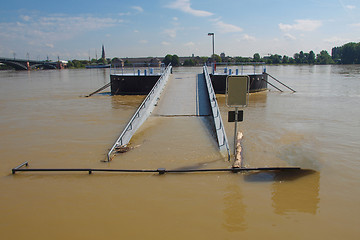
{"x":181,"y":108}
{"x":182,"y":95}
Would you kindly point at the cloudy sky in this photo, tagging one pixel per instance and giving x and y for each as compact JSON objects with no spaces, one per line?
{"x":77,"y":29}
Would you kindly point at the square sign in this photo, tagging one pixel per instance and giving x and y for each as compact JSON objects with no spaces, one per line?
{"x":237,"y":89}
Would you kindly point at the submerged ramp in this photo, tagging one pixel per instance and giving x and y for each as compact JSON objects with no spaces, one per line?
{"x":186,"y":115}
{"x":142,"y":113}
{"x":185,"y":95}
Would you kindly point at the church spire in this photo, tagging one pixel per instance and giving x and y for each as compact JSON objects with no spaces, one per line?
{"x":103,"y":52}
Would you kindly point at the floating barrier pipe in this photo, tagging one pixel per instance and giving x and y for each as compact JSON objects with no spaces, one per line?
{"x":159,"y":170}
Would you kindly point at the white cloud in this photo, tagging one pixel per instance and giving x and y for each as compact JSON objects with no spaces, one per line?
{"x":288,"y":36}
{"x":53,"y":28}
{"x":175,"y":18}
{"x":305,"y":25}
{"x":355,"y":25}
{"x":143,"y":41}
{"x":136,"y":31}
{"x":124,"y":14}
{"x":49,"y":45}
{"x":248,"y":37}
{"x":138,"y":8}
{"x":189,"y":44}
{"x":165,"y":43}
{"x":227,"y":28}
{"x":350,"y":7}
{"x":170,"y":32}
{"x":25,"y":18}
{"x":336,"y":40}
{"x":185,"y":6}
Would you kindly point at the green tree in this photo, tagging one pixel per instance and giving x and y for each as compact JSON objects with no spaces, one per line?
{"x":242,"y":59}
{"x":336,"y":54}
{"x":70,"y":64}
{"x":256,"y":57}
{"x":285,"y":59}
{"x":301,"y":57}
{"x":324,"y":58}
{"x":217,"y":58}
{"x":311,"y":57}
{"x":348,"y":53}
{"x":189,"y":62}
{"x":167,"y":59}
{"x":175,"y":61}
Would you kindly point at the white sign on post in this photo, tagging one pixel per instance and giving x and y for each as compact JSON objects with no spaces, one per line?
{"x":237,"y":95}
{"x":237,"y":88}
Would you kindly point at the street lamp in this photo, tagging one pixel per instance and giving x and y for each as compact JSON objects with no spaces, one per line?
{"x":212,"y":34}
{"x":213,"y":47}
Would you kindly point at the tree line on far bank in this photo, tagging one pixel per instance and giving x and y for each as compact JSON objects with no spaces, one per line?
{"x":349,"y":53}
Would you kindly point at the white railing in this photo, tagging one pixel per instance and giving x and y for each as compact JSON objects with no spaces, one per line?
{"x":239,"y":68}
{"x":219,"y":126}
{"x":138,"y":69}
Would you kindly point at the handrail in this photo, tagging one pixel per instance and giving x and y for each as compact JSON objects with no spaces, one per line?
{"x":132,"y":124}
{"x":242,"y":71}
{"x":281,"y":82}
{"x":219,"y":126}
{"x":136,"y":68}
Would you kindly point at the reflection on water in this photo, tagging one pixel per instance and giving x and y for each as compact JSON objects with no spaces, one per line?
{"x":234,"y":209}
{"x":292,"y":190}
{"x":129,"y":101}
{"x":258,"y":99}
{"x":302,"y":197}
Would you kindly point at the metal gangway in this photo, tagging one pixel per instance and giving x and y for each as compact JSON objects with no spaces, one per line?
{"x":142,"y":113}
{"x":219,"y":125}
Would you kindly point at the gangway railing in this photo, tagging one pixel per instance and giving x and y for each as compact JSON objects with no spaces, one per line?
{"x":138,"y":69}
{"x":219,"y":126}
{"x":142,"y":113}
{"x":244,"y":68}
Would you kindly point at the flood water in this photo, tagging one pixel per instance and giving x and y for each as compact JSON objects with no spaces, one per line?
{"x":46,"y":120}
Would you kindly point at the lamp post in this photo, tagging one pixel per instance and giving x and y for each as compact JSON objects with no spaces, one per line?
{"x":213,"y":48}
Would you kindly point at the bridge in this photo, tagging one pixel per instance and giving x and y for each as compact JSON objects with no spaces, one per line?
{"x":25,"y":64}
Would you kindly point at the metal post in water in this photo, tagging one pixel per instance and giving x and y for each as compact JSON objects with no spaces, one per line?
{"x":237,"y":71}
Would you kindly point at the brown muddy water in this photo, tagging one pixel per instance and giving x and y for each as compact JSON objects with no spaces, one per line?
{"x":44,"y":119}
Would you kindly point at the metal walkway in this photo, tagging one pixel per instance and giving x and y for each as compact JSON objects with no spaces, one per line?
{"x":185,"y":95}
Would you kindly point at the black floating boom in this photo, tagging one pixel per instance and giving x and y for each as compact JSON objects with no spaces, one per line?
{"x":159,"y":170}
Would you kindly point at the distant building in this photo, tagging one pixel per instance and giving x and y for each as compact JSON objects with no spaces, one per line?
{"x":103,"y":52}
{"x":155,"y":62}
{"x":117,"y":62}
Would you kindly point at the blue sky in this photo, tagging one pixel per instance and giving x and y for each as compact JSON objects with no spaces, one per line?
{"x":143,"y":28}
